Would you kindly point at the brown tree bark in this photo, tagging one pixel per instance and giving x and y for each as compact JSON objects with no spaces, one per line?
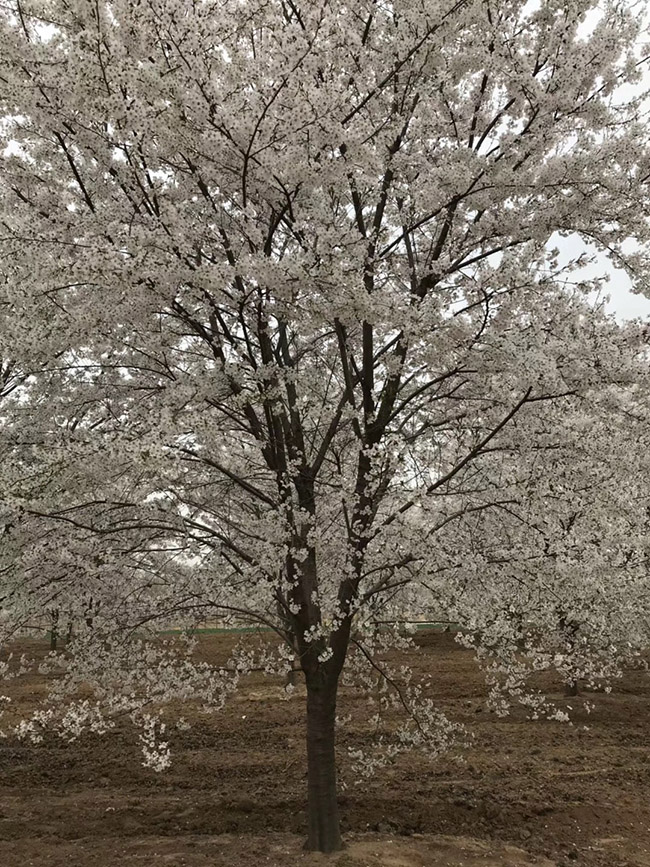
{"x":323,"y":827}
{"x":54,"y":628}
{"x":292,"y":675}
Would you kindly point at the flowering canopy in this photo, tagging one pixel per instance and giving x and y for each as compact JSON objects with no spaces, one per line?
{"x":279,"y":297}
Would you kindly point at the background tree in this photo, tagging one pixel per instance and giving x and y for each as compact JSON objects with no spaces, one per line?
{"x":275,"y":249}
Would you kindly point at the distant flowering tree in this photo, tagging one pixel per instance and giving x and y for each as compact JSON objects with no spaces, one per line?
{"x":280,"y":279}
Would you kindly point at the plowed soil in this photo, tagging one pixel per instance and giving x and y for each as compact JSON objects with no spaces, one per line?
{"x":527,"y":793}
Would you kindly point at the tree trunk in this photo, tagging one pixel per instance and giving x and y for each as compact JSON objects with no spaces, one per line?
{"x":324,"y":833}
{"x":291,"y":678}
{"x":54,"y":628}
{"x":571,"y":688}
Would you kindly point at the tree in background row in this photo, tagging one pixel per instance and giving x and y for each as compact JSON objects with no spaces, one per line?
{"x":294,"y":339}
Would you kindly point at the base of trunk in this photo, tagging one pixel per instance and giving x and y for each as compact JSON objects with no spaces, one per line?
{"x":323,"y":846}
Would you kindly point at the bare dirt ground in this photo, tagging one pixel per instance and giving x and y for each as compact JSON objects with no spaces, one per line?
{"x":529,"y":792}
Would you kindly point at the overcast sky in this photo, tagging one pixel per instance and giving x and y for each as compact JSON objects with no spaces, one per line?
{"x":623,"y":303}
